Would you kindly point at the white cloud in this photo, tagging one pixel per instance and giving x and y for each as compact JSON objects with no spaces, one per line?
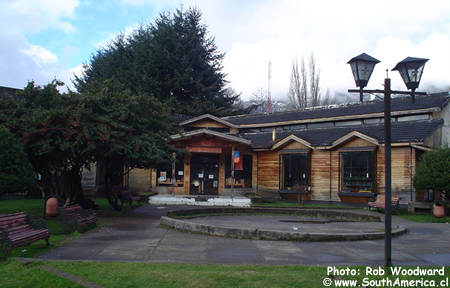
{"x":40,"y":55}
{"x":32,"y":16}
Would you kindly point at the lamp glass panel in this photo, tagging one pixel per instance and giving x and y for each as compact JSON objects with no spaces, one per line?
{"x":365,"y":69}
{"x":354,"y":70}
{"x":415,"y":74}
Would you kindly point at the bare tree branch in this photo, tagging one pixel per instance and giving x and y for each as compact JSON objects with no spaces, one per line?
{"x":297,"y":94}
{"x":314,"y":81}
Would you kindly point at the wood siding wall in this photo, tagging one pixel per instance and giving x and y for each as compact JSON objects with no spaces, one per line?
{"x":320,"y":175}
{"x":268,"y":171}
{"x":207,"y":124}
{"x":140,"y":179}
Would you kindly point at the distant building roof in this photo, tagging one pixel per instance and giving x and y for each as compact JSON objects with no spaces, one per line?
{"x":8,"y":92}
{"x":398,"y":104}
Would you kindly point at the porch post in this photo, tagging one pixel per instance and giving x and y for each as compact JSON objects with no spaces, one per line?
{"x":232,"y":171}
{"x":173,"y":180}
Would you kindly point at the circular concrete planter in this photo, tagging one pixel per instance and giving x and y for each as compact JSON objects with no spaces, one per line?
{"x":183,"y":224}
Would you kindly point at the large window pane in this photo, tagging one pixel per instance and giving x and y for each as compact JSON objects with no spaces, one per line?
{"x":295,"y":171}
{"x":358,"y":171}
{"x":164,"y":174}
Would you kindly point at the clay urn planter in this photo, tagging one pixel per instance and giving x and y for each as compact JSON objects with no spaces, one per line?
{"x":438,"y":210}
{"x":50,"y":207}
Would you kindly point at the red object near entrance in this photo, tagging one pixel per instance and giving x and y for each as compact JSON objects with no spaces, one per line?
{"x":50,"y":207}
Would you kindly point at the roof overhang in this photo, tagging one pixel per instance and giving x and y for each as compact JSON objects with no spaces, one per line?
{"x":347,"y":137}
{"x":199,"y":132}
{"x":421,"y":147}
{"x":207,"y":116}
{"x":289,"y":139}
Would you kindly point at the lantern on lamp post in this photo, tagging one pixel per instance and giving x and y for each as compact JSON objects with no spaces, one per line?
{"x":362,"y":68}
{"x":411,"y":70}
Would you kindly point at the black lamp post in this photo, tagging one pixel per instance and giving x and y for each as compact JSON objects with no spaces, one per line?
{"x":411,"y":71}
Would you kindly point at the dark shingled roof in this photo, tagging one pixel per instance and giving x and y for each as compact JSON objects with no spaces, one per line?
{"x":412,"y":131}
{"x":398,"y":104}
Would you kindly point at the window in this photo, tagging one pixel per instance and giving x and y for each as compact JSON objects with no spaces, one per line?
{"x":164,"y":174}
{"x":358,"y":171}
{"x":296,"y":170}
{"x":348,"y":123}
{"x":320,"y":125}
{"x":269,"y":129}
{"x":373,"y":121}
{"x":413,"y":118}
{"x":297,"y":127}
{"x":242,"y":178}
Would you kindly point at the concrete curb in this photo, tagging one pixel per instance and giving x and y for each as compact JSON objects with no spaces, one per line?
{"x":263,"y":234}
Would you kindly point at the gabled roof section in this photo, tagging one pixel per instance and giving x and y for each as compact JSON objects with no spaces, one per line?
{"x":207,"y":116}
{"x":354,"y":134}
{"x":190,"y":134}
{"x":289,"y":139}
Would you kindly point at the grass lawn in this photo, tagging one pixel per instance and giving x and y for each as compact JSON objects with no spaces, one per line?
{"x":423,"y":218}
{"x":111,"y":274}
{"x":16,"y":274}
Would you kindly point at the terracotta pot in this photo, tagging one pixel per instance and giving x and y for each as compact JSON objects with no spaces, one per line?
{"x":50,"y":207}
{"x":438,"y":211}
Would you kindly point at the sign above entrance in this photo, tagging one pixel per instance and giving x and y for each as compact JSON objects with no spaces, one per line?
{"x":196,"y":149}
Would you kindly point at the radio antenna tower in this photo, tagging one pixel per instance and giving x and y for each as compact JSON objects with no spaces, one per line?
{"x":269,"y":98}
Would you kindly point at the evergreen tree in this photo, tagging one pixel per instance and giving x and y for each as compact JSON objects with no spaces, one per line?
{"x":174,"y":59}
{"x":16,"y":173}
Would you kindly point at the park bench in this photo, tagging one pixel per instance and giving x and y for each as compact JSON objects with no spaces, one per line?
{"x":379,"y":203}
{"x":75,"y":218}
{"x":18,"y":230}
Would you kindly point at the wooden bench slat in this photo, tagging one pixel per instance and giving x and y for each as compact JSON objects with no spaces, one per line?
{"x":380,"y":202}
{"x":18,"y":229}
{"x":30,"y":234}
{"x":28,"y":240}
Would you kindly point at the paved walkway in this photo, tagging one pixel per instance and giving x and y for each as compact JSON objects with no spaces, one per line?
{"x":138,"y":237}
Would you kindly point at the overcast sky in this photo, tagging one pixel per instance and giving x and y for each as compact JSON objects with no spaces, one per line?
{"x":46,"y":39}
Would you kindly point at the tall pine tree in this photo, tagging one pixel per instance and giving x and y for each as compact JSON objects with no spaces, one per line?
{"x":174,"y":59}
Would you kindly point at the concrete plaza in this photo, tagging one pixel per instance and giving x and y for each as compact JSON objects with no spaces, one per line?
{"x":137,"y":236}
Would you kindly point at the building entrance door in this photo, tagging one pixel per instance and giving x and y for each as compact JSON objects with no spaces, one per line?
{"x":204,"y":174}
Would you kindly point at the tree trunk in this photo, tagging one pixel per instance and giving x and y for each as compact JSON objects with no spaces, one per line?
{"x":111,"y":195}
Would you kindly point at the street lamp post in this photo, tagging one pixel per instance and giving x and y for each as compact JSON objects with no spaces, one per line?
{"x":411,"y":70}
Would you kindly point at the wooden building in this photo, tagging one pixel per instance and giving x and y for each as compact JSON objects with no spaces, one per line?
{"x":335,"y":153}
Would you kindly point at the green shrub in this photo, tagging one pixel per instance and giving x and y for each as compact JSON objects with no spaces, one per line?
{"x":433,"y":171}
{"x":16,"y":173}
